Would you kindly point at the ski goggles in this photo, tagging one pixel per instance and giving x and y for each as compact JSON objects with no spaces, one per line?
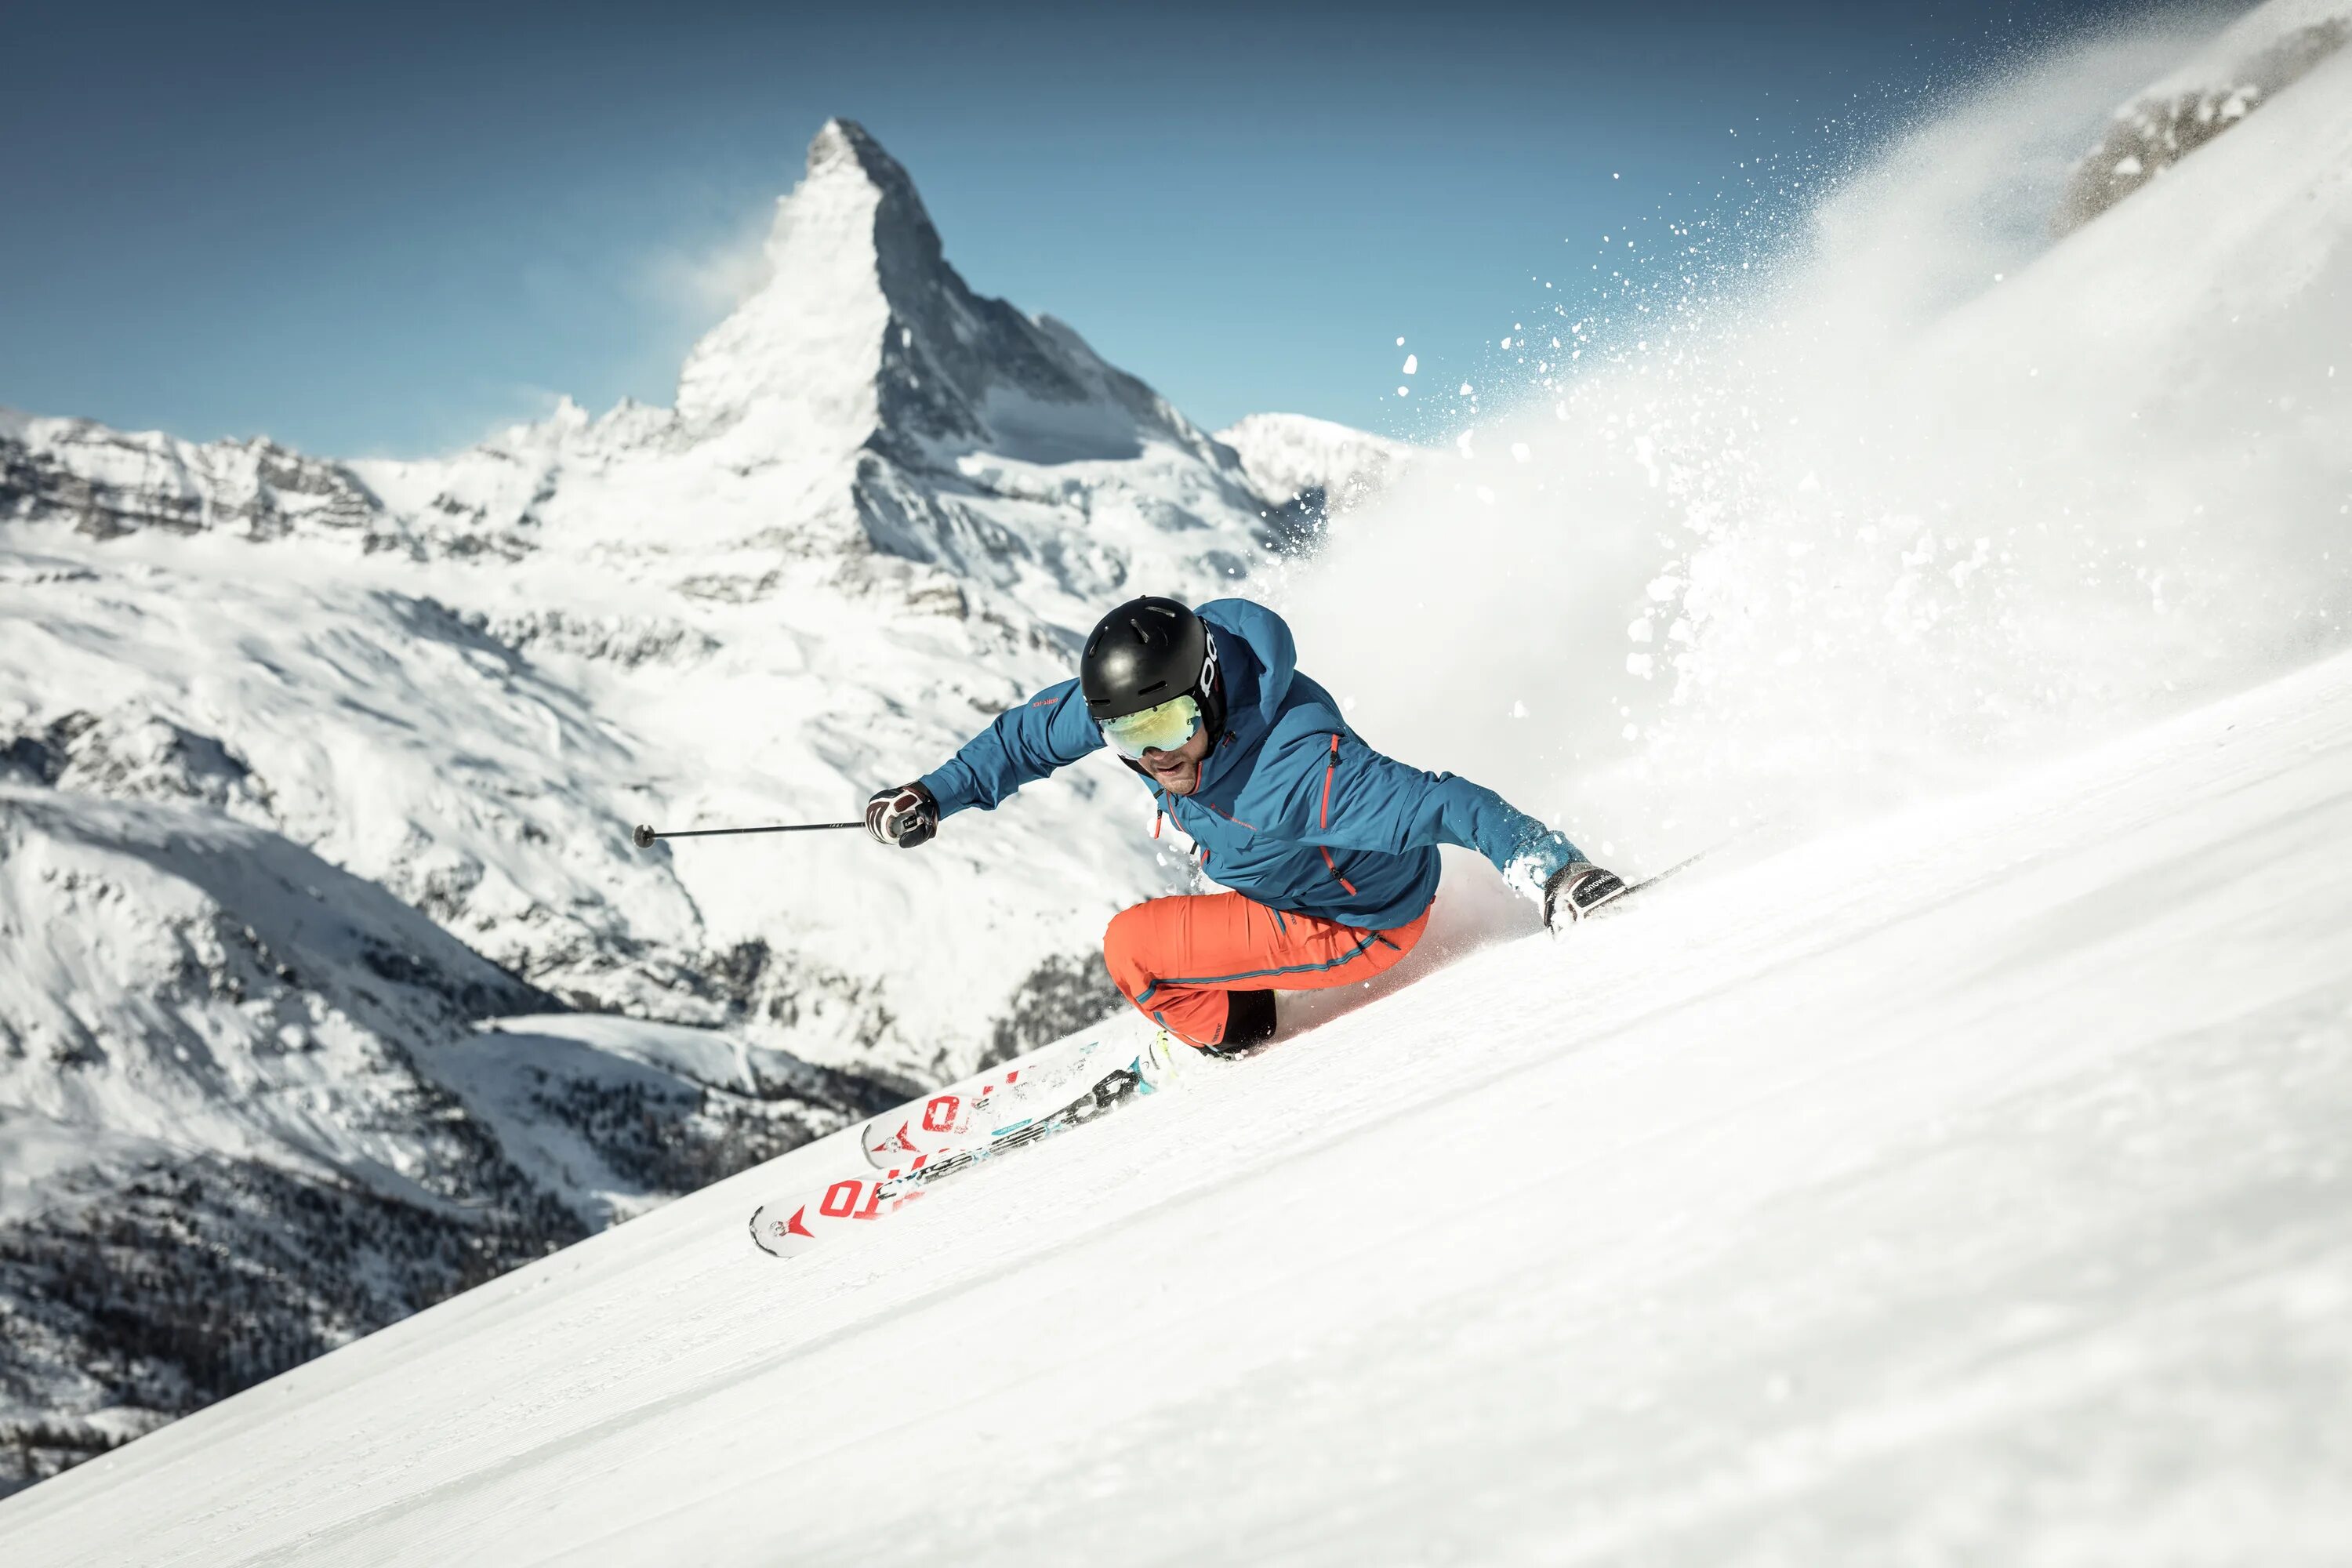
{"x":1161,"y":729}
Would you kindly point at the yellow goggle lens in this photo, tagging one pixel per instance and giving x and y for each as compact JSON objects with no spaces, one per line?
{"x":1161,"y":729}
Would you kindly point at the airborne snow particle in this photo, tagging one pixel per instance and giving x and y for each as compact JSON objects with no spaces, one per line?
{"x":1519,"y":452}
{"x":1404,"y":392}
{"x":1412,"y":364}
{"x":1464,"y":392}
{"x":1400,"y":343}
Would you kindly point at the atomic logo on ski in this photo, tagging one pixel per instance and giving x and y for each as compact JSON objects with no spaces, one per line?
{"x":782,"y":1231}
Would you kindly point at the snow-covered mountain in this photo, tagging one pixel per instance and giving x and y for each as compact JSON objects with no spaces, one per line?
{"x":440,"y":693}
{"x":246,"y":1113}
{"x":1316,"y":468}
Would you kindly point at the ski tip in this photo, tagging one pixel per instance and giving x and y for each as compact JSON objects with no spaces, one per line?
{"x":756,"y":1239}
{"x":883,"y":1144}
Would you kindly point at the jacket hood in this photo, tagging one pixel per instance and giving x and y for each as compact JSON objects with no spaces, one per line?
{"x":1258,"y":680}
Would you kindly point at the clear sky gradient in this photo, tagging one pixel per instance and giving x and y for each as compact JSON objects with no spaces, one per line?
{"x":371,"y":229}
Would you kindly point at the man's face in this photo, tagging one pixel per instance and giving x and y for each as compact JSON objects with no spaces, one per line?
{"x":1179,"y":772}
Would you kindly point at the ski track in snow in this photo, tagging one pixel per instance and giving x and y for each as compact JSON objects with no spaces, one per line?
{"x":1969,"y":1185}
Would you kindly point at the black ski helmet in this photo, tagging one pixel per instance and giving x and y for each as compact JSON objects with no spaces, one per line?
{"x":1148,"y":651}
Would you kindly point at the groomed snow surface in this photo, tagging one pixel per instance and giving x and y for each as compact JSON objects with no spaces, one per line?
{"x":1970,"y":1187}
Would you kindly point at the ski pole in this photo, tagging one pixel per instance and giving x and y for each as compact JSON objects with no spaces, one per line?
{"x":643,"y":837}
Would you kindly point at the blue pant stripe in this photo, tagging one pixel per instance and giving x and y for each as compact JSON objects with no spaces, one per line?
{"x":1349,"y":957}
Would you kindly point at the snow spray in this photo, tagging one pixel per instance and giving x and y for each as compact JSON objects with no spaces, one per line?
{"x":1809,"y":519}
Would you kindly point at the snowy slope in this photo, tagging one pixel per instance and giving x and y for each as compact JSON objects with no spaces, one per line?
{"x":1967,"y":1187}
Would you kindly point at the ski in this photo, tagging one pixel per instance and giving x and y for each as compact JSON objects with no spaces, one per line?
{"x":1066,"y":1094}
{"x":1655,"y":878}
{"x":973,"y":1114}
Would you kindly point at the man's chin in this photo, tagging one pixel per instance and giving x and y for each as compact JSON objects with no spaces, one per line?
{"x":1181,"y":782}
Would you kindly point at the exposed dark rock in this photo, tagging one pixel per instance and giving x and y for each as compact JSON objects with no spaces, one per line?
{"x":2153,"y":134}
{"x":1062,"y":995}
{"x":196,"y":1281}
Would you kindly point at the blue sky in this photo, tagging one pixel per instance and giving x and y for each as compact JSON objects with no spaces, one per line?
{"x":366,"y":229}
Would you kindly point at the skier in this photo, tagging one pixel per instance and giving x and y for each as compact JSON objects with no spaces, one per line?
{"x":1329,"y":848}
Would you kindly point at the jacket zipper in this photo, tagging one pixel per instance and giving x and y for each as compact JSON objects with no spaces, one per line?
{"x":1329,"y":768}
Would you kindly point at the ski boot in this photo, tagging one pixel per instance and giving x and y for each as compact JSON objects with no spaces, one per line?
{"x":1164,"y":1062}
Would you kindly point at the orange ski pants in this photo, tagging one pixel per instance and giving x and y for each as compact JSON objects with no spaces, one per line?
{"x":1176,"y":959}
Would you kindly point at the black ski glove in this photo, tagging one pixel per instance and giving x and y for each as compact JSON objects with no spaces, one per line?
{"x":903,"y":815}
{"x":1576,"y":890}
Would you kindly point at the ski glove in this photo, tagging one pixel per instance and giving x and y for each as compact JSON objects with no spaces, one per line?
{"x":1576,"y":890}
{"x":903,"y":814}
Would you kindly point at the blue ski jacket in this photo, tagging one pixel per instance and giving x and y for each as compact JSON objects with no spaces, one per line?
{"x":1292,"y":809}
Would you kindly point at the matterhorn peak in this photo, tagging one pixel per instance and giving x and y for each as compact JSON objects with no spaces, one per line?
{"x":840,"y":141}
{"x":865,"y":338}
{"x":843,"y":150}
